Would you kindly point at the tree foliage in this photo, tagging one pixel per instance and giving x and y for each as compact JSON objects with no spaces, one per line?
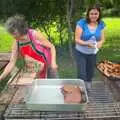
{"x":34,"y":10}
{"x":43,"y":13}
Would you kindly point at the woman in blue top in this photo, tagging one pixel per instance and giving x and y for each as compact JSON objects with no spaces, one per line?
{"x":89,"y":38}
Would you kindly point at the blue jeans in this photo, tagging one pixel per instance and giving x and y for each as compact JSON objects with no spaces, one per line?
{"x":85,"y":65}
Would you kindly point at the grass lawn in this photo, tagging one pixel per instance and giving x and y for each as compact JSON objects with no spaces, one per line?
{"x":109,"y":51}
{"x":111,"y":48}
{"x":5,"y":40}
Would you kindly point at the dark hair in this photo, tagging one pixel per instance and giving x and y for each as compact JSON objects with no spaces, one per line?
{"x":18,"y":23}
{"x":97,"y":7}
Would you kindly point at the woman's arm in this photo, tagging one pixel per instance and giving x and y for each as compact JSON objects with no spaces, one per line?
{"x":12,"y":62}
{"x":100,"y":43}
{"x":46,"y":43}
{"x":78,"y":33}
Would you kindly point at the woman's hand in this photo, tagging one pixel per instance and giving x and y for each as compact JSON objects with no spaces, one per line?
{"x":9,"y":67}
{"x":91,"y":45}
{"x":54,"y":66}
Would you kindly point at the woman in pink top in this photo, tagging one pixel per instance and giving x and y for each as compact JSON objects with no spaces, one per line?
{"x":37,"y":52}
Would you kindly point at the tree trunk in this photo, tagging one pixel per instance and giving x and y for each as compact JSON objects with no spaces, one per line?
{"x":70,"y":31}
{"x":60,"y":31}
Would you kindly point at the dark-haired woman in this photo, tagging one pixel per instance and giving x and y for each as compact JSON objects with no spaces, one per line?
{"x":89,"y":38}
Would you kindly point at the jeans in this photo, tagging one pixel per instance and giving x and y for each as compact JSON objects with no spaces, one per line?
{"x":85,"y":65}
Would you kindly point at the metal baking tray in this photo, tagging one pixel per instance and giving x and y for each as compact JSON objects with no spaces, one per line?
{"x":45,"y":95}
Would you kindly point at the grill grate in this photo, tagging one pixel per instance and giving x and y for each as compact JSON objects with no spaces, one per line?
{"x":101,"y":106}
{"x":114,"y":86}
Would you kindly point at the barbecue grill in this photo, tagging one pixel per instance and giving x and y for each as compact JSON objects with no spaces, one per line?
{"x":102,"y":106}
{"x":112,"y":82}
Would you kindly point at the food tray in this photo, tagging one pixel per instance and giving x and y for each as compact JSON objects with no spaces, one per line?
{"x":115,"y":78}
{"x":45,"y":95}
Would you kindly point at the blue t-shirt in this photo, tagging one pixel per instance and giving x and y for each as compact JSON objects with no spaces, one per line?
{"x":89,"y":35}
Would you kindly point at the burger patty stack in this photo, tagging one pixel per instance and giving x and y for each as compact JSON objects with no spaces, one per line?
{"x":109,"y":69}
{"x":72,"y":94}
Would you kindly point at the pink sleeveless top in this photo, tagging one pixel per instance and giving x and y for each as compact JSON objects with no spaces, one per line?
{"x":36,"y":54}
